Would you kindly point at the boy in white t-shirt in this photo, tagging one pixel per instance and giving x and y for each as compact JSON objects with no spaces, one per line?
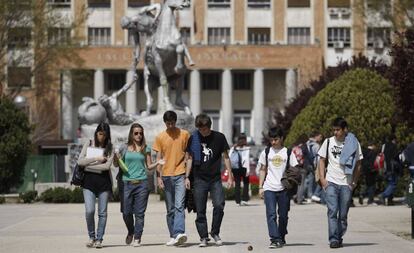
{"x":341,"y":177}
{"x":271,"y":187}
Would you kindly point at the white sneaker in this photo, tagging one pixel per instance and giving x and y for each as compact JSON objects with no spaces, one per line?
{"x":137,"y":243}
{"x":98,"y":245}
{"x":203,"y":243}
{"x":244,"y":203}
{"x":308,"y":201}
{"x":91,"y":243}
{"x":217,"y":239}
{"x":180,"y":239}
{"x":170,"y":242}
{"x":316,"y":198}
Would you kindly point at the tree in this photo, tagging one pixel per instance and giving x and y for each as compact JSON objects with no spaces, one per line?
{"x":330,"y":74}
{"x":398,"y":13}
{"x":36,"y":40}
{"x":14,"y":144}
{"x":362,"y":97}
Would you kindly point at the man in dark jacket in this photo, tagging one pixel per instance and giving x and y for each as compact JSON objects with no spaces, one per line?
{"x":369,"y":174}
{"x":393,"y":170}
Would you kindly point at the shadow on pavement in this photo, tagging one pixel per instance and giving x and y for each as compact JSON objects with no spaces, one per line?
{"x":299,"y":244}
{"x":359,"y":244}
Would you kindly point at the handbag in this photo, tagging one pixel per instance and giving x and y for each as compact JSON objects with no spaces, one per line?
{"x":78,"y":175}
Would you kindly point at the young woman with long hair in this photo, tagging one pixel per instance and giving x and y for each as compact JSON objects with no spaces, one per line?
{"x":136,"y":155}
{"x":97,"y":182}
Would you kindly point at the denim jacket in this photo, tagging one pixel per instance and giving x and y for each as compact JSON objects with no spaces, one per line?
{"x":348,"y":156}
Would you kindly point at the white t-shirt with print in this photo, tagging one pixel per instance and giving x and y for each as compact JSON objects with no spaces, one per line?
{"x":277,"y":159}
{"x":336,"y":172}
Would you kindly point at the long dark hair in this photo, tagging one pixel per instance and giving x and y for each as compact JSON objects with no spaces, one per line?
{"x":104,"y":127}
{"x":131,"y":137}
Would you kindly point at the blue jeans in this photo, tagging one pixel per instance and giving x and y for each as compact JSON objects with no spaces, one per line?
{"x":277,"y":230}
{"x":90,"y":200}
{"x":338,"y":198}
{"x":309,"y":184}
{"x":391,"y":185}
{"x":135,"y":203}
{"x":201,"y":189}
{"x":174,"y":187}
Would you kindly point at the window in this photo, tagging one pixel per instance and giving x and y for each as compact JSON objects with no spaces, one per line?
{"x":58,"y":36}
{"x":116,"y":80}
{"x":298,"y":3}
{"x":378,"y":37}
{"x":138,"y":3}
{"x":19,"y":37}
{"x":19,"y":77}
{"x":339,"y":37}
{"x":99,"y":3}
{"x":242,"y":80}
{"x":299,"y":36}
{"x":258,"y":4}
{"x":210,"y":81}
{"x":218,"y":3}
{"x":258,"y":36}
{"x":339,"y":4}
{"x":59,"y":3}
{"x":218,"y":36}
{"x":186,"y":35}
{"x":241,"y":123}
{"x":99,"y":36}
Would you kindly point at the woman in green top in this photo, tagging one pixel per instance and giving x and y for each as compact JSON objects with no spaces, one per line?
{"x":137,"y":157}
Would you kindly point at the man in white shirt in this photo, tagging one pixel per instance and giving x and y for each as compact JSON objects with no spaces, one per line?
{"x":273,"y":161}
{"x":340,"y":179}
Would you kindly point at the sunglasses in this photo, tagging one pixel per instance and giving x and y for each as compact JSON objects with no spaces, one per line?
{"x":138,"y":133}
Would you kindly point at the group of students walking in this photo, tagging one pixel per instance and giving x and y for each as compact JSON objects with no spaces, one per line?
{"x":193,"y":161}
{"x":184,"y":161}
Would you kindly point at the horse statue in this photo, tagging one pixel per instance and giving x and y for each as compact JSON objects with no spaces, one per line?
{"x":164,"y":58}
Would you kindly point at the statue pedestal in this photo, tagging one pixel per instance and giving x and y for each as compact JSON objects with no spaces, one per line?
{"x":153,"y":125}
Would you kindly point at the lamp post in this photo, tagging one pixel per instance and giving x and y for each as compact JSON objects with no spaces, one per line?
{"x":34,"y":177}
{"x":20,"y":101}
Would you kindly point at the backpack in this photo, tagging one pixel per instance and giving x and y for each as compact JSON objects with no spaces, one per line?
{"x":236,"y":160}
{"x":380,"y":165}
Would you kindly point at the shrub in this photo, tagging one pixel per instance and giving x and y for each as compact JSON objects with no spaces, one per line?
{"x":14,"y":144}
{"x":229,"y":193}
{"x":362,"y":97}
{"x":77,"y":195}
{"x":162,"y":194}
{"x":47,"y":196}
{"x":57,"y":195}
{"x":292,"y":110}
{"x":255,"y":189}
{"x":2,"y":200}
{"x":28,"y":197}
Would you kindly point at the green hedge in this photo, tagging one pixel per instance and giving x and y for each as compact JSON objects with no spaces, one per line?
{"x":2,"y":200}
{"x":62,"y":195}
{"x":362,"y":97}
{"x":28,"y":197}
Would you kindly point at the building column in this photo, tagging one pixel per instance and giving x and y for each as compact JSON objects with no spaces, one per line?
{"x":131,"y":94}
{"x":290,"y":85}
{"x":195,"y":98}
{"x":67,"y":105}
{"x":258,"y":106}
{"x":98,"y":84}
{"x":227,"y":104}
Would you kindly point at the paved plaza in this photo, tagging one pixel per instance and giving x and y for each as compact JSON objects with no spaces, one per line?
{"x":61,"y":228}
